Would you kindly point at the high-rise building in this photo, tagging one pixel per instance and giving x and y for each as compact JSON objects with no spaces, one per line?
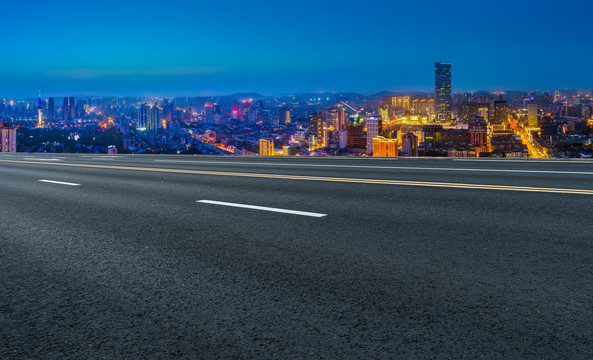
{"x":143,"y":117}
{"x":384,"y":147}
{"x":316,"y":130}
{"x":356,"y":136}
{"x":65,"y":111}
{"x":501,"y":113}
{"x":155,"y":118}
{"x":442,"y":88}
{"x":373,"y":124}
{"x":532,"y":111}
{"x":478,"y":131}
{"x":40,"y":123}
{"x":331,"y":118}
{"x":284,"y":116}
{"x":7,"y":138}
{"x":72,"y":108}
{"x":50,"y":109}
{"x":266,"y":147}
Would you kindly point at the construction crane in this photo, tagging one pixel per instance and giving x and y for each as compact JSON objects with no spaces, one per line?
{"x":353,"y":109}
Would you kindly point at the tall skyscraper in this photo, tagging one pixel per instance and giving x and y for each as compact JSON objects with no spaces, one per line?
{"x":316,"y":130}
{"x":40,"y":123}
{"x":65,"y":111}
{"x":50,"y":109}
{"x":532,"y":110}
{"x":442,"y":89}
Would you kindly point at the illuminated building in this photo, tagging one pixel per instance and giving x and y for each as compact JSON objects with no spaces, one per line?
{"x":266,"y":147}
{"x":483,"y":113}
{"x":397,"y":101}
{"x":336,"y":139}
{"x":478,"y":132}
{"x":442,"y":86}
{"x":430,"y":133}
{"x":284,"y":116}
{"x":155,"y":118}
{"x":501,"y":113}
{"x":235,"y":110}
{"x":356,"y":135}
{"x":373,"y":125}
{"x":65,"y":110}
{"x":7,"y":138}
{"x":50,"y":109}
{"x":384,"y":147}
{"x":467,"y":111}
{"x":532,"y":110}
{"x":341,"y":118}
{"x":40,"y":112}
{"x":384,"y":112}
{"x":245,"y":110}
{"x":331,"y":118}
{"x":143,"y":117}
{"x":316,"y":130}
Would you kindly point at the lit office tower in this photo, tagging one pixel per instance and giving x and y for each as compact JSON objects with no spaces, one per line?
{"x":40,"y":112}
{"x":50,"y":109}
{"x":284,"y":116}
{"x":266,"y":147}
{"x":72,"y":108}
{"x":442,"y":89}
{"x":331,"y":118}
{"x":316,"y":130}
{"x":373,"y":124}
{"x":65,"y":110}
{"x":532,"y":110}
{"x":501,"y":113}
{"x":341,"y":118}
{"x":143,"y":115}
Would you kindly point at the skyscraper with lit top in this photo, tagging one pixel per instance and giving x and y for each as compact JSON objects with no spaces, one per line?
{"x":40,"y":123}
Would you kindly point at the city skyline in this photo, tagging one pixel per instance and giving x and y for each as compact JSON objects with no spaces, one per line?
{"x":213,"y":49}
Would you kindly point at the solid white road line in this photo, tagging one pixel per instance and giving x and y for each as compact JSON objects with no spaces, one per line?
{"x":59,"y":182}
{"x":284,"y":211}
{"x":383,"y":167}
{"x":38,"y":159}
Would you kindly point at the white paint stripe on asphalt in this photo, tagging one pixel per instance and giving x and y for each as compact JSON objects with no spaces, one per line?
{"x":37,"y":159}
{"x":384,"y":167}
{"x":59,"y":182}
{"x":284,"y":211}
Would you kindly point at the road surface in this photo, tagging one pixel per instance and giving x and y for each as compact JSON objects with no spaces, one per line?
{"x":306,"y":258}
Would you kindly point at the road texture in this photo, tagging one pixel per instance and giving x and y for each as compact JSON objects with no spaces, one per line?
{"x":119,"y":257}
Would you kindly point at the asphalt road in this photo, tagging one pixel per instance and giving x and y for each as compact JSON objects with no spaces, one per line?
{"x":116,"y":258}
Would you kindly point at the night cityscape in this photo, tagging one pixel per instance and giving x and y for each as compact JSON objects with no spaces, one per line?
{"x":308,"y":180}
{"x":510,"y":124}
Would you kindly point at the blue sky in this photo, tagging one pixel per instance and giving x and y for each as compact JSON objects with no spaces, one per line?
{"x":174,"y":47}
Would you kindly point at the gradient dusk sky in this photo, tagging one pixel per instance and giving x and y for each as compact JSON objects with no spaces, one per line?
{"x":174,"y":47}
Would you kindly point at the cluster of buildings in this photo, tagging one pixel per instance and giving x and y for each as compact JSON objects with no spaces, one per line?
{"x":509,"y":124}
